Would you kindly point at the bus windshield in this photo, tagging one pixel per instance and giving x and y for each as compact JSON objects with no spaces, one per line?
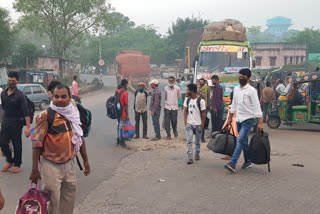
{"x":218,"y":61}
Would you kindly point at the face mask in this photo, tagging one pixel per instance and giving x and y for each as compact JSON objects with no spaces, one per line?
{"x":141,"y":90}
{"x":243,"y":82}
{"x":171,"y":85}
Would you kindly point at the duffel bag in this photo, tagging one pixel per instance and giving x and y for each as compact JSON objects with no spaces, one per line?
{"x":128,"y":131}
{"x":222,"y":143}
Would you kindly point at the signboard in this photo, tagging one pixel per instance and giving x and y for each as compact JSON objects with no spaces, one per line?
{"x":101,"y":62}
{"x":233,"y":69}
{"x":223,"y":48}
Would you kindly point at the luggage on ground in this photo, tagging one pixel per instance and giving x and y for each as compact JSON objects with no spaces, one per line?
{"x":33,"y":201}
{"x":222,"y":142}
{"x":114,"y":109}
{"x":259,"y":149}
{"x":128,"y":131}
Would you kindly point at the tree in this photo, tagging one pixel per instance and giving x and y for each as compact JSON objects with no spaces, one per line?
{"x":309,"y":36}
{"x":6,"y":35}
{"x":26,"y":53}
{"x":177,"y":34}
{"x":254,"y":29}
{"x":63,"y":21}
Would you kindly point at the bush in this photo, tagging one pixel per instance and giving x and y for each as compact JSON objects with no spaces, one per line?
{"x":96,"y":82}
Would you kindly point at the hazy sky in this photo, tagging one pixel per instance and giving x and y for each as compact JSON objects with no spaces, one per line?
{"x":161,"y":13}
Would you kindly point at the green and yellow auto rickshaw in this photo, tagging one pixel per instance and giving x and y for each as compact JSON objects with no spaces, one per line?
{"x":299,"y":104}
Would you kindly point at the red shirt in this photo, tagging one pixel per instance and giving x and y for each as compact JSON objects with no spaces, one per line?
{"x":123,"y":101}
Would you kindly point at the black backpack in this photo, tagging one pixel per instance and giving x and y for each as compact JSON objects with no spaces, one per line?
{"x":259,"y":149}
{"x":113,"y":105}
{"x":85,"y":118}
{"x":198,"y":102}
{"x":31,"y":108}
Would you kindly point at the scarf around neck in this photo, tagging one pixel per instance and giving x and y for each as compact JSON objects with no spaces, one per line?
{"x":71,"y":113}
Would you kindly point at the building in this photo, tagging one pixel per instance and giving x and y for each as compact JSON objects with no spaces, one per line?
{"x":278,"y":25}
{"x":268,"y":55}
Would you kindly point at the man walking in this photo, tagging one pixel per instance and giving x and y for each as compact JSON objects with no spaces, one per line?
{"x":155,"y":108}
{"x":15,"y":113}
{"x":246,"y":104}
{"x":172,"y":95}
{"x":204,"y":93}
{"x":194,"y":120}
{"x":183,"y":89}
{"x":267,"y":96}
{"x":58,"y":138}
{"x":140,"y":107}
{"x":216,"y":104}
{"x":75,"y":89}
{"x":124,"y":102}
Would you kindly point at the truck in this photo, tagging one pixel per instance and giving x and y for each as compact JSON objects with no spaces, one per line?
{"x":224,"y":51}
{"x":134,"y":65}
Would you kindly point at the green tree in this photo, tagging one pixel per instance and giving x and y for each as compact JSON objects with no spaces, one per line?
{"x":25,"y":55}
{"x":6,"y":34}
{"x":64,"y":21}
{"x":254,"y":29}
{"x":309,"y":36}
{"x":177,"y":33}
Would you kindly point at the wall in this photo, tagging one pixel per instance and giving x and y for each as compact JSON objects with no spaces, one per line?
{"x":48,"y":63}
{"x":280,"y":53}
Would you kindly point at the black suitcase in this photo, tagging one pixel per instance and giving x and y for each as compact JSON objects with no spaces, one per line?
{"x":222,"y":143}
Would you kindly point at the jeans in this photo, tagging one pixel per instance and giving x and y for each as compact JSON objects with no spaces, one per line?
{"x":265,"y":108}
{"x":156,"y":124}
{"x":144,"y":116}
{"x":12,"y":130}
{"x":216,"y":121}
{"x":190,"y":131}
{"x":121,"y":122}
{"x":170,"y":116}
{"x":242,"y":140}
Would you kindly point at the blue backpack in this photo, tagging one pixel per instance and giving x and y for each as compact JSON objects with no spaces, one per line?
{"x":114,"y":109}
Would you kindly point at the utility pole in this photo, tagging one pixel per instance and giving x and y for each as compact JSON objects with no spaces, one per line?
{"x":100,"y":60}
{"x":188,"y":55}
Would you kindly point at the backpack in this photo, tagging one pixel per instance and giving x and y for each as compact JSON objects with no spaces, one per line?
{"x":135,"y":95}
{"x":113,"y":105}
{"x":259,"y":149}
{"x":31,"y":108}
{"x":198,"y":102}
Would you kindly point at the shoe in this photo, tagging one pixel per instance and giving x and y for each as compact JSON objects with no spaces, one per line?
{"x":197,"y":157}
{"x":190,"y":161}
{"x":16,"y":170}
{"x":203,"y":140}
{"x":246,"y":165}
{"x":136,"y":137}
{"x":176,"y":134}
{"x":145,"y":137}
{"x":6,"y":167}
{"x":226,"y":158}
{"x":155,"y":139}
{"x":231,"y":167}
{"x":168,"y":138}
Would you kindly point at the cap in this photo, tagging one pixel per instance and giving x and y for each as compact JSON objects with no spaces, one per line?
{"x":154,"y":81}
{"x":140,"y":83}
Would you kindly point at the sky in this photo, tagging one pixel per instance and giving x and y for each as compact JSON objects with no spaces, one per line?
{"x":161,"y":13}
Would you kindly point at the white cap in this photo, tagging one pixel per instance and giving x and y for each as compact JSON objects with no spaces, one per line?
{"x":154,"y":81}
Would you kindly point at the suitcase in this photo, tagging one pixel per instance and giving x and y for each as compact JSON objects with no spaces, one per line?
{"x":222,"y":143}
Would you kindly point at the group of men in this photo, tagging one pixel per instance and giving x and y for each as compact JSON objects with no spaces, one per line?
{"x":58,"y":137}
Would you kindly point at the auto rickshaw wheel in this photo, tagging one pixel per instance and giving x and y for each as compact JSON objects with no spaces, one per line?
{"x":273,"y":122}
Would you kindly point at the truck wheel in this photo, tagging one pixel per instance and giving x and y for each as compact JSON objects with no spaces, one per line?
{"x":273,"y":122}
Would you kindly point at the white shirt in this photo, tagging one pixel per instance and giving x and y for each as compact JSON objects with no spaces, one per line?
{"x":280,"y":88}
{"x":183,"y":87}
{"x":245,"y":103}
{"x":172,"y":95}
{"x":0,"y":94}
{"x":194,"y":113}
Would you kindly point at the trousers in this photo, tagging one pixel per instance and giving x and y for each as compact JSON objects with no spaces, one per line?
{"x":191,"y":131}
{"x":170,"y":116}
{"x":144,"y":116}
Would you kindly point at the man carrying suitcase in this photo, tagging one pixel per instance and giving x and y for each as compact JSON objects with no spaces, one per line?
{"x":194,"y":120}
{"x":247,"y":106}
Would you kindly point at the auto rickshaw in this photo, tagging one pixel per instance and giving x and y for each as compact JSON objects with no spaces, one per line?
{"x":291,"y":110}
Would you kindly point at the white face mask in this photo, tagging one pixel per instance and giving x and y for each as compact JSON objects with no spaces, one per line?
{"x":171,"y":85}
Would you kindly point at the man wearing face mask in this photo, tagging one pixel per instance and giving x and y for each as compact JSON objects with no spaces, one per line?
{"x":204,"y":93}
{"x":14,"y":112}
{"x":246,"y":104}
{"x":140,"y":107}
{"x":172,"y":95}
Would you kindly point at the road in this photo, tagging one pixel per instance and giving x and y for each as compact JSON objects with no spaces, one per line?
{"x":296,"y":144}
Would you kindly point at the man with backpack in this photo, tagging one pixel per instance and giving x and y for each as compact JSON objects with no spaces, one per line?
{"x":194,"y":120}
{"x":124,"y":117}
{"x":15,"y":114}
{"x":246,"y":105}
{"x":140,"y":107}
{"x":58,"y":138}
